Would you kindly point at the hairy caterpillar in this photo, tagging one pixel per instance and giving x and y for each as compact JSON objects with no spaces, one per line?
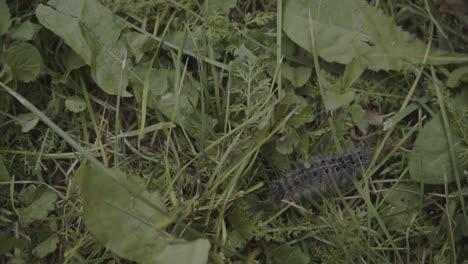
{"x":324,"y":176}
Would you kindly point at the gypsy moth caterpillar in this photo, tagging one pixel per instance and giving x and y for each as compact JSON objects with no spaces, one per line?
{"x":324,"y":176}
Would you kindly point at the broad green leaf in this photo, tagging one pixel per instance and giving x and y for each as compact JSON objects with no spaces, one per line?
{"x":112,"y":213}
{"x":5,"y":16}
{"x":24,"y":60}
{"x":46,"y":247}
{"x":27,"y":121}
{"x":357,"y":114}
{"x":140,"y":44}
{"x":177,"y":37}
{"x":42,"y":201}
{"x":430,"y":158}
{"x":94,"y":33}
{"x":128,"y":226}
{"x":158,"y":84}
{"x":193,"y":252}
{"x":72,"y":61}
{"x":57,"y":20}
{"x":403,"y":200}
{"x":298,"y":76}
{"x":352,"y":72}
{"x":345,"y":30}
{"x":75,"y":104}
{"x":24,"y":31}
{"x":335,"y":99}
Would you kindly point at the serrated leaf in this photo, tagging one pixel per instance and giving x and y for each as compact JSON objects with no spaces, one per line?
{"x":113,"y":212}
{"x":43,"y":202}
{"x":298,"y":76}
{"x":92,"y":31}
{"x":430,"y":158}
{"x":75,"y":104}
{"x":5,"y":16}
{"x":345,"y":30}
{"x":24,"y":60}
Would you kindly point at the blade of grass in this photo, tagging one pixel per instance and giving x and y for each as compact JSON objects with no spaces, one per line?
{"x":279,"y":31}
{"x":146,"y":84}
{"x":448,"y":135}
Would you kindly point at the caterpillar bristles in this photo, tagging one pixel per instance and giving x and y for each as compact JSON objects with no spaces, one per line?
{"x":325,"y":176}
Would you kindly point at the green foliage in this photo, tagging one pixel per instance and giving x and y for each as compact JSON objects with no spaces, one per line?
{"x":75,"y":104}
{"x":4,"y":176}
{"x":5,"y":21}
{"x":214,"y":6}
{"x":38,"y":200}
{"x":336,"y":94}
{"x":403,"y":202}
{"x":458,"y":76}
{"x":209,"y":131}
{"x":23,"y":60}
{"x":297,"y":76}
{"x":288,"y":254}
{"x":129,"y":226}
{"x":93,"y":33}
{"x":430,"y":158}
{"x":357,"y":114}
{"x":344,"y":31}
{"x":178,"y":102}
{"x":24,"y":31}
{"x":27,"y":121}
